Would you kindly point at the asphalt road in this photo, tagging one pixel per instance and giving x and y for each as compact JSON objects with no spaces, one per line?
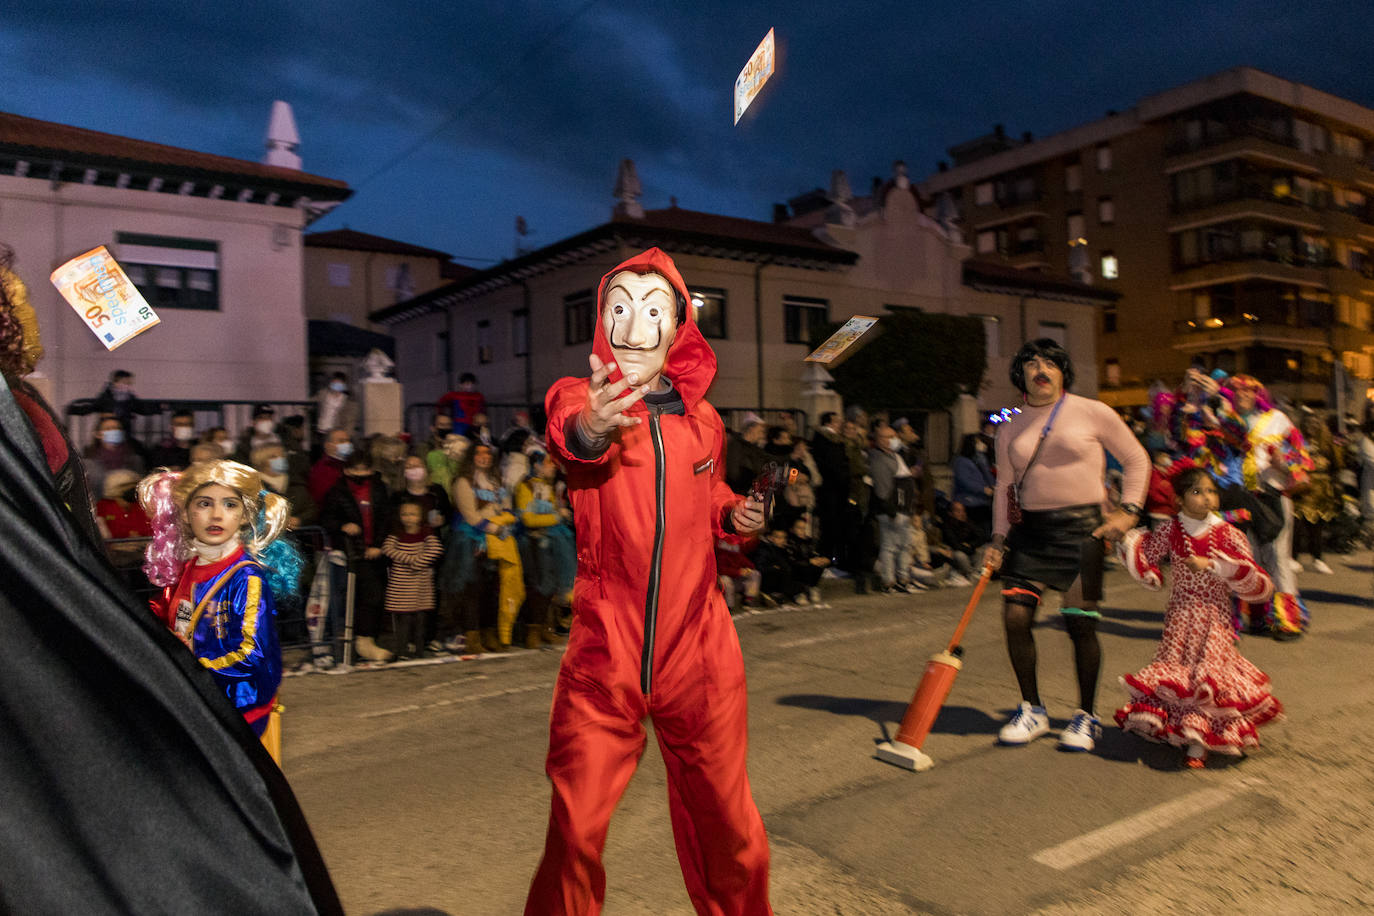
{"x":425,"y":784}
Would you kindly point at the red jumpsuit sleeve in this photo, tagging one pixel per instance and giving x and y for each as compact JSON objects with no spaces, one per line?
{"x":723,"y":499}
{"x":563,"y":402}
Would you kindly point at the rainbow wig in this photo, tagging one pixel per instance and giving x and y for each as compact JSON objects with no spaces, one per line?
{"x":1244,"y":382}
{"x":164,"y":495}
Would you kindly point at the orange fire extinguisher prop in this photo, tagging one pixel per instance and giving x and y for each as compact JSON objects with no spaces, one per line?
{"x":941,"y":670}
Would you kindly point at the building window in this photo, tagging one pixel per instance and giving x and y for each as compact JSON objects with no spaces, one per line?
{"x":484,"y":354}
{"x":1106,"y":211}
{"x":708,"y":310}
{"x":992,"y":328}
{"x":1113,"y":373}
{"x":579,"y":317}
{"x":1109,"y":266}
{"x":1104,"y":157}
{"x":171,"y":273}
{"x":400,"y":282}
{"x":987,"y":241}
{"x":1075,"y":226}
{"x":1109,"y":319}
{"x":520,"y":332}
{"x":802,"y":316}
{"x":340,"y":275}
{"x":1056,"y":331}
{"x":982,"y":194}
{"x":1073,"y":177}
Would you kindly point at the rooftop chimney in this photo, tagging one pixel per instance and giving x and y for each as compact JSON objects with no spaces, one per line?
{"x":627,"y":192}
{"x":282,"y":138}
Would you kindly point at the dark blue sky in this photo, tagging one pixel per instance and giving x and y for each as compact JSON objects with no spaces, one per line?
{"x":525,"y":108}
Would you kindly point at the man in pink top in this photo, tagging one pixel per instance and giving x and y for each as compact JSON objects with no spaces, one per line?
{"x":1054,"y":453}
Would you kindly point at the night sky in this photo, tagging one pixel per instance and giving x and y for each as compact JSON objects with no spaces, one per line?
{"x":451,"y":121}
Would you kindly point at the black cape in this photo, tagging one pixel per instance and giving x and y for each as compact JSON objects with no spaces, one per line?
{"x":128,"y":782}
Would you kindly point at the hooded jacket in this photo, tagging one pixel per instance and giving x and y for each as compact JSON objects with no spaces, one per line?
{"x":648,"y":512}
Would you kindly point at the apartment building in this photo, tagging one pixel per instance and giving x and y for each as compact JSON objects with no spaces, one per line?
{"x":1234,"y":215}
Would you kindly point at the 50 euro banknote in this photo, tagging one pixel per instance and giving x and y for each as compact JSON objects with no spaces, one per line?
{"x":101,"y":293}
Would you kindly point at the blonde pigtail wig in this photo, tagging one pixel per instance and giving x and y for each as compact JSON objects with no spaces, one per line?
{"x":265,"y":517}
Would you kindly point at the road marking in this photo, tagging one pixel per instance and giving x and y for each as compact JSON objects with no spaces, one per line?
{"x":1129,"y":829}
{"x":453,"y":701}
{"x":843,"y":634}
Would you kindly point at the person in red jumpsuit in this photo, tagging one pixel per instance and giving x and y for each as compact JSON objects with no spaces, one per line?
{"x":651,"y":636}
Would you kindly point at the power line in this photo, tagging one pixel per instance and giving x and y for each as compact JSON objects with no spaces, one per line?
{"x":480,"y":96}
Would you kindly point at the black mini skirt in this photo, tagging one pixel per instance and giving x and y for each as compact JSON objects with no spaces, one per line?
{"x":1056,"y":546}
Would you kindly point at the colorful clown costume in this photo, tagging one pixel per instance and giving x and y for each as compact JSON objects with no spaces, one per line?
{"x":1198,"y":691}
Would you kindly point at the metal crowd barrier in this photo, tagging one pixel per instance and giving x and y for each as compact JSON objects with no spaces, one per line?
{"x":293,"y":626}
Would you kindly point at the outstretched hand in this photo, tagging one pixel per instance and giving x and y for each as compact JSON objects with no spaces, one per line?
{"x":748,"y":517}
{"x":607,"y":402}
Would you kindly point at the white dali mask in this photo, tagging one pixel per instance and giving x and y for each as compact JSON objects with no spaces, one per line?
{"x":640,"y":320}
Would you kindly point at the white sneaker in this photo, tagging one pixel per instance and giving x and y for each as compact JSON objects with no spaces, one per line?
{"x":815,"y":595}
{"x":1321,"y":567}
{"x":801,"y":600}
{"x":1295,"y":566}
{"x":1027,"y":723}
{"x":958,"y":580}
{"x":1082,"y":732}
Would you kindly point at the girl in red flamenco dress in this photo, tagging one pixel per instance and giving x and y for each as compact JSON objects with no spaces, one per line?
{"x":1199,"y":693}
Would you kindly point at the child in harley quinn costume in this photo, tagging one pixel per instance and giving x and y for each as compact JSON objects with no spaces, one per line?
{"x":1199,"y":693}
{"x":216,"y":555}
{"x":651,"y":635}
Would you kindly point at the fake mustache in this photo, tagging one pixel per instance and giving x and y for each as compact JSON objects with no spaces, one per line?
{"x":1041,"y":378}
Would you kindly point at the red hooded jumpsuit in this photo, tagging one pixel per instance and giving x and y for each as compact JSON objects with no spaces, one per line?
{"x":651,"y":637}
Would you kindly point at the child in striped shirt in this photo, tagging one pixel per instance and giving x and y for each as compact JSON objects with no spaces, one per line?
{"x":413,"y":551}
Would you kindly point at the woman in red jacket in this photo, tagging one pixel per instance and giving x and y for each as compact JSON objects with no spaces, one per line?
{"x":651,"y":636}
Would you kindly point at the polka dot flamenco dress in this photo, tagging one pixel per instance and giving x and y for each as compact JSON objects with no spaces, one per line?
{"x":1199,"y":691}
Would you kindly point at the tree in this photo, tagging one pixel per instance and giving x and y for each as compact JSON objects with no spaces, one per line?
{"x":916,"y":360}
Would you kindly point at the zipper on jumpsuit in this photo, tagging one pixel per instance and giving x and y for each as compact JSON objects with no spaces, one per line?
{"x":646,"y":662}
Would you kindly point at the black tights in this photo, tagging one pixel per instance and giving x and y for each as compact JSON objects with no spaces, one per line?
{"x":1087,"y":653}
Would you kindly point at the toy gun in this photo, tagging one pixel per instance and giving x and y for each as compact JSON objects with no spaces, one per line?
{"x":765,"y":487}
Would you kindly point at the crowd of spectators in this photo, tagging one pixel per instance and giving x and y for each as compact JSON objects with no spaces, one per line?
{"x":860,"y":504}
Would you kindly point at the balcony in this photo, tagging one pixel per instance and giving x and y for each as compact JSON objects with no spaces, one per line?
{"x":1356,"y":282}
{"x":1241,"y":141}
{"x":1027,"y":253}
{"x":1246,"y":266}
{"x":1345,"y":170}
{"x":1249,"y":199}
{"x":1010,"y":209}
{"x":1272,"y":328}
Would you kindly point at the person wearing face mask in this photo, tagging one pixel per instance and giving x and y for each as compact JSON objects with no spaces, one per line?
{"x":651,"y":635}
{"x":335,"y":407}
{"x":358,"y":514}
{"x":437,"y":509}
{"x":218,"y":437}
{"x":439,"y":429}
{"x":271,"y":462}
{"x":338,"y":446}
{"x":260,"y":433}
{"x":118,"y":398}
{"x":174,"y":451}
{"x":973,"y":481}
{"x":110,"y":451}
{"x":891,"y":496}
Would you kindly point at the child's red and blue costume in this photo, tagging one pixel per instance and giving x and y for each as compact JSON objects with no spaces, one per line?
{"x":651,"y":638}
{"x":225,"y":613}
